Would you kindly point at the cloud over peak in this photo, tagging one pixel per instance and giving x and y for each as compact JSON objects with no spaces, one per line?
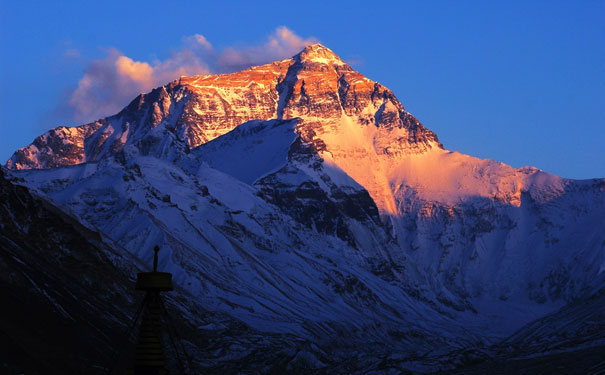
{"x":282,"y":43}
{"x":108,"y":84}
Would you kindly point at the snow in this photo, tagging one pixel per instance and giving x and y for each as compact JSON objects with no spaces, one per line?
{"x":241,"y":256}
{"x":327,"y":61}
{"x":436,"y":175}
{"x":253,"y":150}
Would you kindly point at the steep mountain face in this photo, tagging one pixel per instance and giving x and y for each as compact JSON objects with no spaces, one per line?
{"x":61,"y":287}
{"x":300,"y":198}
{"x":69,"y":297}
{"x":198,"y":109}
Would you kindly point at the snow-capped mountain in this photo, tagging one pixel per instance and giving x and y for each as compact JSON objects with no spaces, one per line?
{"x":201,"y":108}
{"x":300,"y":198}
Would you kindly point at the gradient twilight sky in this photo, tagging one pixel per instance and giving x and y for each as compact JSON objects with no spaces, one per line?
{"x":522,"y":82}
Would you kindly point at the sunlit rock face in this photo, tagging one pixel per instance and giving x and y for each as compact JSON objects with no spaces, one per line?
{"x":315,"y":83}
{"x":355,"y":117}
{"x":57,"y":147}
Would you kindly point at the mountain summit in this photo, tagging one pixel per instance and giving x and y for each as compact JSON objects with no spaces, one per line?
{"x":317,"y":53}
{"x":301,"y":199}
{"x":314,"y":83}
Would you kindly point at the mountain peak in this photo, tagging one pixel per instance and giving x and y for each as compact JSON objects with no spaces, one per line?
{"x":319,"y":54}
{"x":315,"y":84}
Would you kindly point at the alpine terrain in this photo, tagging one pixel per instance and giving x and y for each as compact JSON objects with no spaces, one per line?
{"x":313,"y":225}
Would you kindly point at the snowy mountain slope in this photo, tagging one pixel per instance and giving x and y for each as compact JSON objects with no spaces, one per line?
{"x":568,"y":341}
{"x":537,"y":243}
{"x":57,"y":279}
{"x":69,"y":296}
{"x":577,"y":325}
{"x":301,"y":198}
{"x":228,"y":247}
{"x":248,"y":159}
{"x":221,"y":236}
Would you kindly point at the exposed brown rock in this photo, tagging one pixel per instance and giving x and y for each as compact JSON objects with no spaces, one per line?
{"x":315,"y":84}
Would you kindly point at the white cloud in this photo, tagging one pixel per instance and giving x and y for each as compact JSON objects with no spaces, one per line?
{"x":200,"y":40}
{"x":110,"y":83}
{"x":282,"y":43}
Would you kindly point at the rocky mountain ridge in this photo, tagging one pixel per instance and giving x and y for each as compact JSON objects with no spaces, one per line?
{"x":200,"y":108}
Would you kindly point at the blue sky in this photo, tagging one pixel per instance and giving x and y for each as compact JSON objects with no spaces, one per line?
{"x":519,"y":82}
